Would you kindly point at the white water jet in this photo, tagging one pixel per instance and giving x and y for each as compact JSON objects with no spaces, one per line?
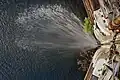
{"x":51,"y":27}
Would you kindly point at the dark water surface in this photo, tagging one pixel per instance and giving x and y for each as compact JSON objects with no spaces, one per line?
{"x":36,"y":63}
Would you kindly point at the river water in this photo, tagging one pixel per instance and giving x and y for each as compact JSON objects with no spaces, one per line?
{"x":38,"y":40}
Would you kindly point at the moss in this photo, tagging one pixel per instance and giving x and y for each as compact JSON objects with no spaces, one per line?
{"x":88,"y":27}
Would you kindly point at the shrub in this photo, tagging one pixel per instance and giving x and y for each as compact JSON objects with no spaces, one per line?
{"x":88,"y":27}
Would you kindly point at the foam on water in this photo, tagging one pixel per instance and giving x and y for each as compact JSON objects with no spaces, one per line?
{"x":51,"y":27}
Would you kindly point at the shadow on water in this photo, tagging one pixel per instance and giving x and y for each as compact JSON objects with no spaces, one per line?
{"x":38,"y":42}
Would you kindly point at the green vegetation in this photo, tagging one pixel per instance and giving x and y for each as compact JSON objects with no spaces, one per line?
{"x":88,"y":27}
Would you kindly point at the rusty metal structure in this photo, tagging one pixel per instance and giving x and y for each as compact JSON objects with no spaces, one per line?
{"x":90,"y":6}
